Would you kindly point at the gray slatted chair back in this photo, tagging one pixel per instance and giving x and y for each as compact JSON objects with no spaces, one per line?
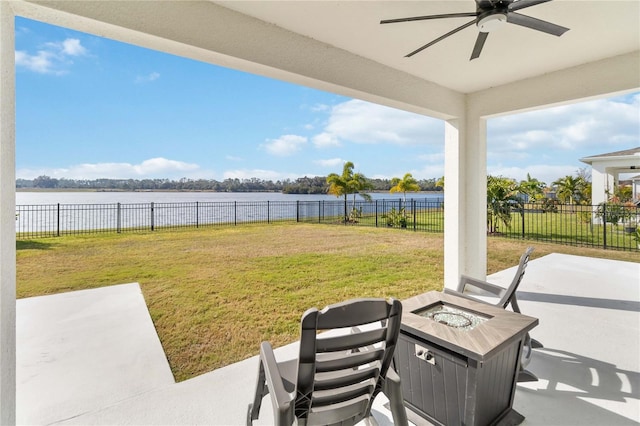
{"x":509,"y":296}
{"x":340,"y":375}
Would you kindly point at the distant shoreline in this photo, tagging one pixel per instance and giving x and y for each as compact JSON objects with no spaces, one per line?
{"x":132,"y":190}
{"x":52,"y":190}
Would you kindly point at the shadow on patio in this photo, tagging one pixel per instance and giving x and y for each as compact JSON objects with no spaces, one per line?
{"x":92,"y":357}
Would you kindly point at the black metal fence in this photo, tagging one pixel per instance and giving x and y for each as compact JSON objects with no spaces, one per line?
{"x":606,"y":226}
{"x":52,"y":220}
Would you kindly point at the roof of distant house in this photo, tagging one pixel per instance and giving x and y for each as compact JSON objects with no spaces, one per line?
{"x":624,"y":153}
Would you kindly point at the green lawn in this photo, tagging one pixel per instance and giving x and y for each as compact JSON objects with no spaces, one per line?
{"x":214,"y":294}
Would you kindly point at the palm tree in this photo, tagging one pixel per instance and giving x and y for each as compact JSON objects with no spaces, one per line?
{"x":569,"y":188}
{"x":501,"y":197}
{"x":407,"y":183}
{"x":359,"y":183}
{"x":348,"y":183}
{"x":339,"y":184}
{"x":532,"y":187}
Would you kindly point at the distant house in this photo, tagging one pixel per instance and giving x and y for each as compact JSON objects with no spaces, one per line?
{"x":635,"y":186}
{"x":606,"y":169}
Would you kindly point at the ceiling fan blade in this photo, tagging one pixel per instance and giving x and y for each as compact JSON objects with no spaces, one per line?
{"x":424,"y":18}
{"x":477,"y":48}
{"x":484,"y":4}
{"x":420,"y":49}
{"x":536,"y":24}
{"x":521,"y":4}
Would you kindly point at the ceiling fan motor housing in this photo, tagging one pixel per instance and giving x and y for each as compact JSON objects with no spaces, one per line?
{"x":491,"y":20}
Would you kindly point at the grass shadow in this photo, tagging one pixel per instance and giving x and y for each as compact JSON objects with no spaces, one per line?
{"x":33,"y":245}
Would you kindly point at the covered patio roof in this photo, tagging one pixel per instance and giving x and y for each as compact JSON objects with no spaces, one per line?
{"x":606,"y":169}
{"x":341,"y":47}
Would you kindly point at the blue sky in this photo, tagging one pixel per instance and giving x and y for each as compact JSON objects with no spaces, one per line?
{"x":89,"y":107}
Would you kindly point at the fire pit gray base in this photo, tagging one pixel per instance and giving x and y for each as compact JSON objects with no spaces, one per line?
{"x":453,"y":374}
{"x":513,"y":418}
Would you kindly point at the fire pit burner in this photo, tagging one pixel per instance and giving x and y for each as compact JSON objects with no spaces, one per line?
{"x":451,"y":319}
{"x":453,"y":316}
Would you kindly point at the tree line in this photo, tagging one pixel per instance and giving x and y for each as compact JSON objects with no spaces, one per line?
{"x":303,"y":185}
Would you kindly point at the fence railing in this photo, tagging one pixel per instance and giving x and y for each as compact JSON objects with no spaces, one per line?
{"x":609,"y":227}
{"x":51,"y":220}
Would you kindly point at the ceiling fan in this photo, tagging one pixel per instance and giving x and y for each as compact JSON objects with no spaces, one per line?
{"x":489,"y":15}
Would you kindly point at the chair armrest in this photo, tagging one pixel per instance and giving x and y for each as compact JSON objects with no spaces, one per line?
{"x":392,"y":388}
{"x":483,"y":285}
{"x":464,"y":296}
{"x":280,"y":398}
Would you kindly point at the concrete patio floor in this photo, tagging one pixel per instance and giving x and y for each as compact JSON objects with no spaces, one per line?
{"x":93,"y":357}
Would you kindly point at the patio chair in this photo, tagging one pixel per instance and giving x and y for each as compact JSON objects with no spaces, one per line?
{"x":476,"y":289}
{"x":337,"y":374}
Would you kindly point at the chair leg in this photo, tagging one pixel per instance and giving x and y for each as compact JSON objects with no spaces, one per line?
{"x":392,"y":388}
{"x":261,"y":390}
{"x":535,"y":344}
{"x":526,"y":376}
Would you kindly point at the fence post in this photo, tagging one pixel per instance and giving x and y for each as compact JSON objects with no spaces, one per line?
{"x":235,"y":213}
{"x":523,"y":221}
{"x":320,"y":209}
{"x":152,"y":218}
{"x":268,"y":215}
{"x":297,"y":210}
{"x":604,"y":225}
{"x":58,"y":221}
{"x":376,"y":213}
{"x":118,"y":219}
{"x":197,"y":214}
{"x":413,"y":207}
{"x":345,"y":212}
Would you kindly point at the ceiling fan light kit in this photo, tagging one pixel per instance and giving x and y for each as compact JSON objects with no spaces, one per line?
{"x":492,"y":22}
{"x":489,"y":16}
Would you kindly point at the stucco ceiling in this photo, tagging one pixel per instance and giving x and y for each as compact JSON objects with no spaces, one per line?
{"x":598,"y":30}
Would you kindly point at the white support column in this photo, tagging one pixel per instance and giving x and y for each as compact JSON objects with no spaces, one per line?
{"x":600,"y":184}
{"x":7,"y":218}
{"x":465,"y":237}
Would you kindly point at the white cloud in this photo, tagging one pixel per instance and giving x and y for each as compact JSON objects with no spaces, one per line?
{"x":159,"y":165}
{"x":588,"y":128}
{"x":363,"y":122}
{"x":53,"y":58}
{"x":147,"y":78}
{"x":325,"y":140}
{"x":151,"y":168}
{"x":233,"y":158}
{"x":429,"y":171}
{"x":71,"y":47}
{"x":331,"y":162}
{"x":42,"y":62}
{"x":285,"y":145}
{"x":432,"y":158}
{"x":320,"y":107}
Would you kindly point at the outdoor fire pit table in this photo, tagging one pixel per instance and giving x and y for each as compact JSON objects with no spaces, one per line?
{"x":458,"y":360}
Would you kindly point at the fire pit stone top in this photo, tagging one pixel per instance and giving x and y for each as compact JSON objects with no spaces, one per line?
{"x":474,"y":329}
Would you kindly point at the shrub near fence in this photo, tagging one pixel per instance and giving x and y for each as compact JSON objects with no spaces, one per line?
{"x":571,"y":225}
